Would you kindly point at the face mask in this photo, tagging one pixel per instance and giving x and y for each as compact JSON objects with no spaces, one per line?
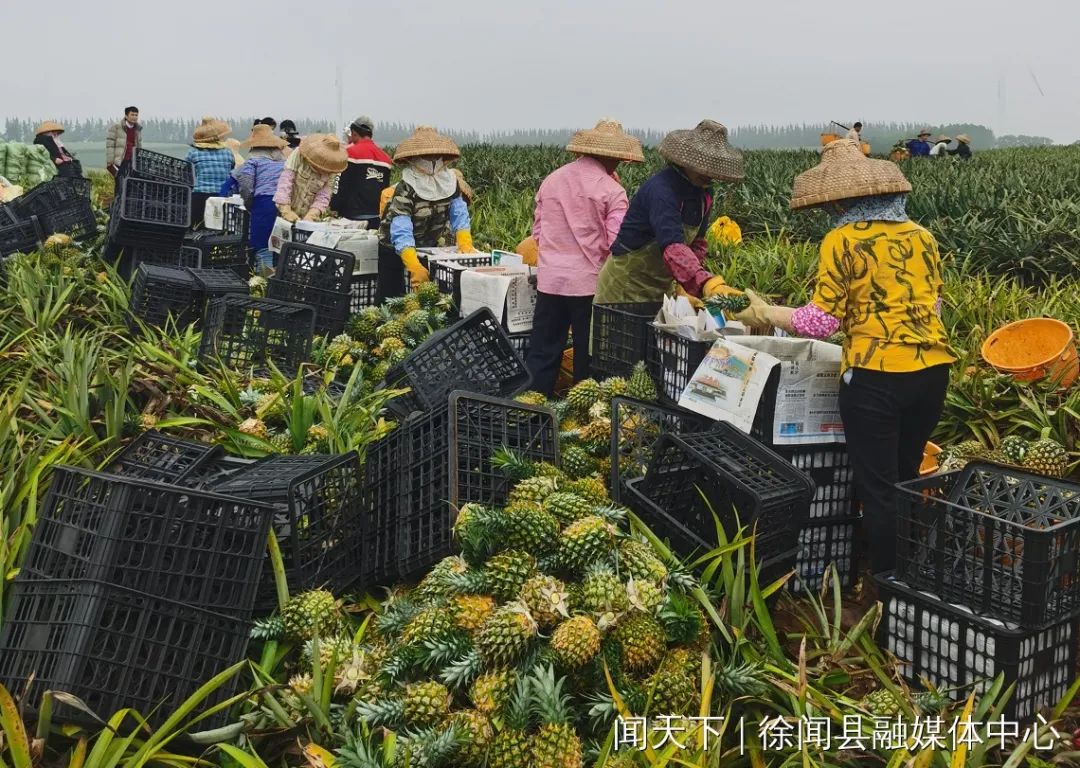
{"x":426,"y":166}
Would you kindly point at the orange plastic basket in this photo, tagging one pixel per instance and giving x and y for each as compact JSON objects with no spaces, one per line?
{"x":1033,"y":349}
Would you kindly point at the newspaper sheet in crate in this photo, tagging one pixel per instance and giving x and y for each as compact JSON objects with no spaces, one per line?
{"x":363,"y":245}
{"x":727,"y":386}
{"x":807,"y":399}
{"x":509,"y":292}
{"x":677,"y":316}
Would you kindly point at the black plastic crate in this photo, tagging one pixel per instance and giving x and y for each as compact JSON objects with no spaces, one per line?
{"x":424,"y":528}
{"x":159,"y":293}
{"x":723,"y":472}
{"x":331,"y":308}
{"x":448,"y":276}
{"x":520,"y":342}
{"x":215,"y":471}
{"x":620,"y":337}
{"x":319,"y":513}
{"x":114,"y":648}
{"x":1001,"y":541}
{"x":19,"y":236}
{"x":154,"y":204}
{"x":474,"y":355}
{"x":960,"y":652}
{"x":200,"y":548}
{"x":61,"y":204}
{"x":217,"y":282}
{"x":829,"y":466}
{"x":220,"y":251}
{"x":384,"y":475}
{"x":323,"y":268}
{"x":672,"y":360}
{"x":162,"y":458}
{"x":158,"y":167}
{"x":635,"y":428}
{"x":235,"y":220}
{"x":244,"y":332}
{"x":167,"y":257}
{"x":824,"y":543}
{"x":362,"y":292}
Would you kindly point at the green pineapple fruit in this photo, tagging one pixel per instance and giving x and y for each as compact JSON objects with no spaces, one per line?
{"x":281,"y":442}
{"x":591,"y":488}
{"x":508,"y":571}
{"x":567,"y":507}
{"x":410,"y":304}
{"x":531,"y":398}
{"x":644,"y":596}
{"x":641,"y":386}
{"x":614,"y":386}
{"x":333,"y":645}
{"x":431,"y":623}
{"x":530,"y":528}
{"x":418,"y":323}
{"x":1047,"y":457}
{"x":997,"y":457}
{"x":364,"y":324}
{"x":379,"y":371}
{"x":642,"y":640}
{"x":583,"y":395}
{"x":490,"y":691}
{"x":602,"y":592}
{"x":673,"y":691}
{"x":311,"y":613}
{"x":881,"y":703}
{"x":1015,"y":447}
{"x":475,"y":733}
{"x":506,"y":635}
{"x":585,"y":541}
{"x":436,"y":584}
{"x":931,"y":702}
{"x":546,"y":598}
{"x":511,"y":746}
{"x":969,"y":449}
{"x":428,"y":295}
{"x":682,"y":618}
{"x":576,"y":462}
{"x":394,"y":329}
{"x":426,"y":703}
{"x":575,"y":642}
{"x":637,"y":559}
{"x":534,"y":489}
{"x":556,"y":744}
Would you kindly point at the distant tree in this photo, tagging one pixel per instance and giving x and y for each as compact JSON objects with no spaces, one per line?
{"x":1014,"y":140}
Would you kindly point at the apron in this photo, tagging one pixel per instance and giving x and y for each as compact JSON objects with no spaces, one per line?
{"x":639,"y":276}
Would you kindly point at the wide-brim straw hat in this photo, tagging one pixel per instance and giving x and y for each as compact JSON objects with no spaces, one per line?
{"x":463,"y":186}
{"x":942,"y":137}
{"x":924,"y":132}
{"x":705,"y":150}
{"x":324,"y":152}
{"x":963,"y":138}
{"x":210,"y":131}
{"x":845,"y":172}
{"x":262,"y":137}
{"x":426,"y":142}
{"x":48,"y":127}
{"x":607,"y":139}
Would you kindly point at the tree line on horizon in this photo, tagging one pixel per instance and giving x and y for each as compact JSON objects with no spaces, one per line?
{"x":795,"y":136}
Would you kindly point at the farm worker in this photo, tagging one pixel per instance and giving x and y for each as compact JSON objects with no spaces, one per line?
{"x":257,"y":180}
{"x":963,"y":151}
{"x":941,"y":147}
{"x":662,"y":238}
{"x":920,"y":147}
{"x":579,"y":209}
{"x":426,"y":210}
{"x":366,"y":176}
{"x":303,"y":190}
{"x":48,"y":136}
{"x":855,"y":132}
{"x":463,"y":187}
{"x":879,"y":280}
{"x":121,"y":141}
{"x":233,"y":146}
{"x":290,"y":134}
{"x":212,"y":161}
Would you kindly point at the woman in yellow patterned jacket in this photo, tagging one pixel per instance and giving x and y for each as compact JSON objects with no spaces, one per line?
{"x":879,"y":281}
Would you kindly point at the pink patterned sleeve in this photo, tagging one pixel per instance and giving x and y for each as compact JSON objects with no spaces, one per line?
{"x":937,"y":306}
{"x":685,"y":267}
{"x":284,"y":187}
{"x":813,"y":322}
{"x":322,"y":199}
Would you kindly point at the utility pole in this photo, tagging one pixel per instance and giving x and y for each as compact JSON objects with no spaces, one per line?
{"x":340,"y":102}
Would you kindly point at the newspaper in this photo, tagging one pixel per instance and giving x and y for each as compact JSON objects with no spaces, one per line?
{"x":807,"y":398}
{"x":727,"y":386}
{"x":509,"y":292}
{"x":214,"y":215}
{"x":363,"y":245}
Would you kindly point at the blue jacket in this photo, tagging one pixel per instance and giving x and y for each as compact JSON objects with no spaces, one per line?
{"x":918,"y":148}
{"x":659,"y":210}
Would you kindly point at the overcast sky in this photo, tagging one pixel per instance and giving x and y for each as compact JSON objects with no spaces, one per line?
{"x":503,"y":64}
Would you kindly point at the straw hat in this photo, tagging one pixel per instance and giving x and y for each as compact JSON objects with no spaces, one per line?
{"x":324,"y":152}
{"x":924,"y":132}
{"x":262,"y":136}
{"x":963,"y":138}
{"x":463,"y":186}
{"x":424,"y":142}
{"x":844,"y":172}
{"x":607,"y":139}
{"x":704,"y":150}
{"x":942,"y":137}
{"x":210,"y":133}
{"x":48,"y":127}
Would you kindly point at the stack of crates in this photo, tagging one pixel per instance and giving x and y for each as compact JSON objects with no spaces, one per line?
{"x":242,"y":332}
{"x":320,"y":277}
{"x":987,"y":582}
{"x":152,"y":210}
{"x":135,"y":589}
{"x":160,"y":292}
{"x":61,"y":205}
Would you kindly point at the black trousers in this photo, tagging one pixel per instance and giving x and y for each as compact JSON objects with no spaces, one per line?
{"x":888,"y":417}
{"x":391,"y":274}
{"x":198,"y":207}
{"x":554,"y":317}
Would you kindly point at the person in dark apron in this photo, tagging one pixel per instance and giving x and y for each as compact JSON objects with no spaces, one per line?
{"x":661,"y":243}
{"x":426,"y":211}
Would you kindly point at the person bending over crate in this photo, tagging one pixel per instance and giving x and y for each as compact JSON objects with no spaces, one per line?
{"x":879,"y":281}
{"x":257,"y":180}
{"x":579,"y":209}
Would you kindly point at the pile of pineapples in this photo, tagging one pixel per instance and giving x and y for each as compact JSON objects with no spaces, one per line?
{"x":501,"y":655}
{"x":1044,"y":456}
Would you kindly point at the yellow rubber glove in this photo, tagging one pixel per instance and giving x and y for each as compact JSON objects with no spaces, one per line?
{"x":417,"y":273}
{"x":695,"y":302}
{"x":286,"y":212}
{"x":312,"y":216}
{"x":464,"y":241}
{"x":528,"y":251}
{"x":761,"y":315}
{"x":715,"y":286}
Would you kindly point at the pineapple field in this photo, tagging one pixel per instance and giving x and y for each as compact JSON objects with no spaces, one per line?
{"x":547,"y":626}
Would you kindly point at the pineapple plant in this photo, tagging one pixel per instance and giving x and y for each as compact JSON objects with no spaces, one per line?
{"x":640,"y":385}
{"x":506,"y":635}
{"x":311,"y":613}
{"x":585,"y":541}
{"x":1047,"y":457}
{"x":425,"y":703}
{"x":642,"y":641}
{"x":556,"y":744}
{"x":575,"y":642}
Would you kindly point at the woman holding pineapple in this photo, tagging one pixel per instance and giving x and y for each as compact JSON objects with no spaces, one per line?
{"x":879,"y":281}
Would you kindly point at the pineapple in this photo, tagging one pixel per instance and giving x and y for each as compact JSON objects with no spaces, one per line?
{"x":476,"y":734}
{"x":591,"y":488}
{"x":644,"y":595}
{"x":426,"y":703}
{"x":596,"y":438}
{"x":576,"y":462}
{"x":996,"y":457}
{"x":254,"y":428}
{"x":642,"y":640}
{"x":311,"y":613}
{"x":394,"y":329}
{"x":583,"y":395}
{"x":428,"y":294}
{"x":567,"y":507}
{"x":431,"y":623}
{"x":881,"y":703}
{"x":508,"y":571}
{"x":586,"y":540}
{"x":1015,"y":448}
{"x":490,"y":691}
{"x":1047,"y":457}
{"x":531,"y":398}
{"x":471,"y":611}
{"x":731,"y":303}
{"x":388,"y":347}
{"x":546,"y":598}
{"x":511,"y":748}
{"x":575,"y":642}
{"x":530,"y":528}
{"x":969,"y":449}
{"x":329,"y":646}
{"x":506,"y":634}
{"x":641,"y":386}
{"x":364,"y":324}
{"x":436,"y":584}
{"x":534,"y":489}
{"x":410,"y":304}
{"x":281,"y":442}
{"x":602,"y":592}
{"x":672,"y":689}
{"x":555,"y":744}
{"x":637,"y":559}
{"x":418,"y":323}
{"x":301,"y":685}
{"x":614,"y":386}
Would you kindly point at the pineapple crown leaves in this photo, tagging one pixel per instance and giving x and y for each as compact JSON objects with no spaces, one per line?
{"x":384,"y":711}
{"x":518,"y":709}
{"x":512,"y":464}
{"x":549,"y":704}
{"x":397,"y":612}
{"x":681,"y":617}
{"x":462,"y":671}
{"x":737,"y":679}
{"x":611,"y":513}
{"x":272,"y":628}
{"x":400,"y":661}
{"x":357,"y":752}
{"x":440,"y":652}
{"x":428,"y":748}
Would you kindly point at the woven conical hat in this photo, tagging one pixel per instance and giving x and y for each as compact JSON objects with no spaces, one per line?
{"x":48,"y":127}
{"x":845,"y":172}
{"x":210,"y":131}
{"x":704,"y":150}
{"x":262,"y":136}
{"x":324,"y":152}
{"x":426,"y":142}
{"x":607,"y":139}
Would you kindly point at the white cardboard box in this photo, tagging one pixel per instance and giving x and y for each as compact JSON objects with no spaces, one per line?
{"x":509,"y":292}
{"x":214,"y":217}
